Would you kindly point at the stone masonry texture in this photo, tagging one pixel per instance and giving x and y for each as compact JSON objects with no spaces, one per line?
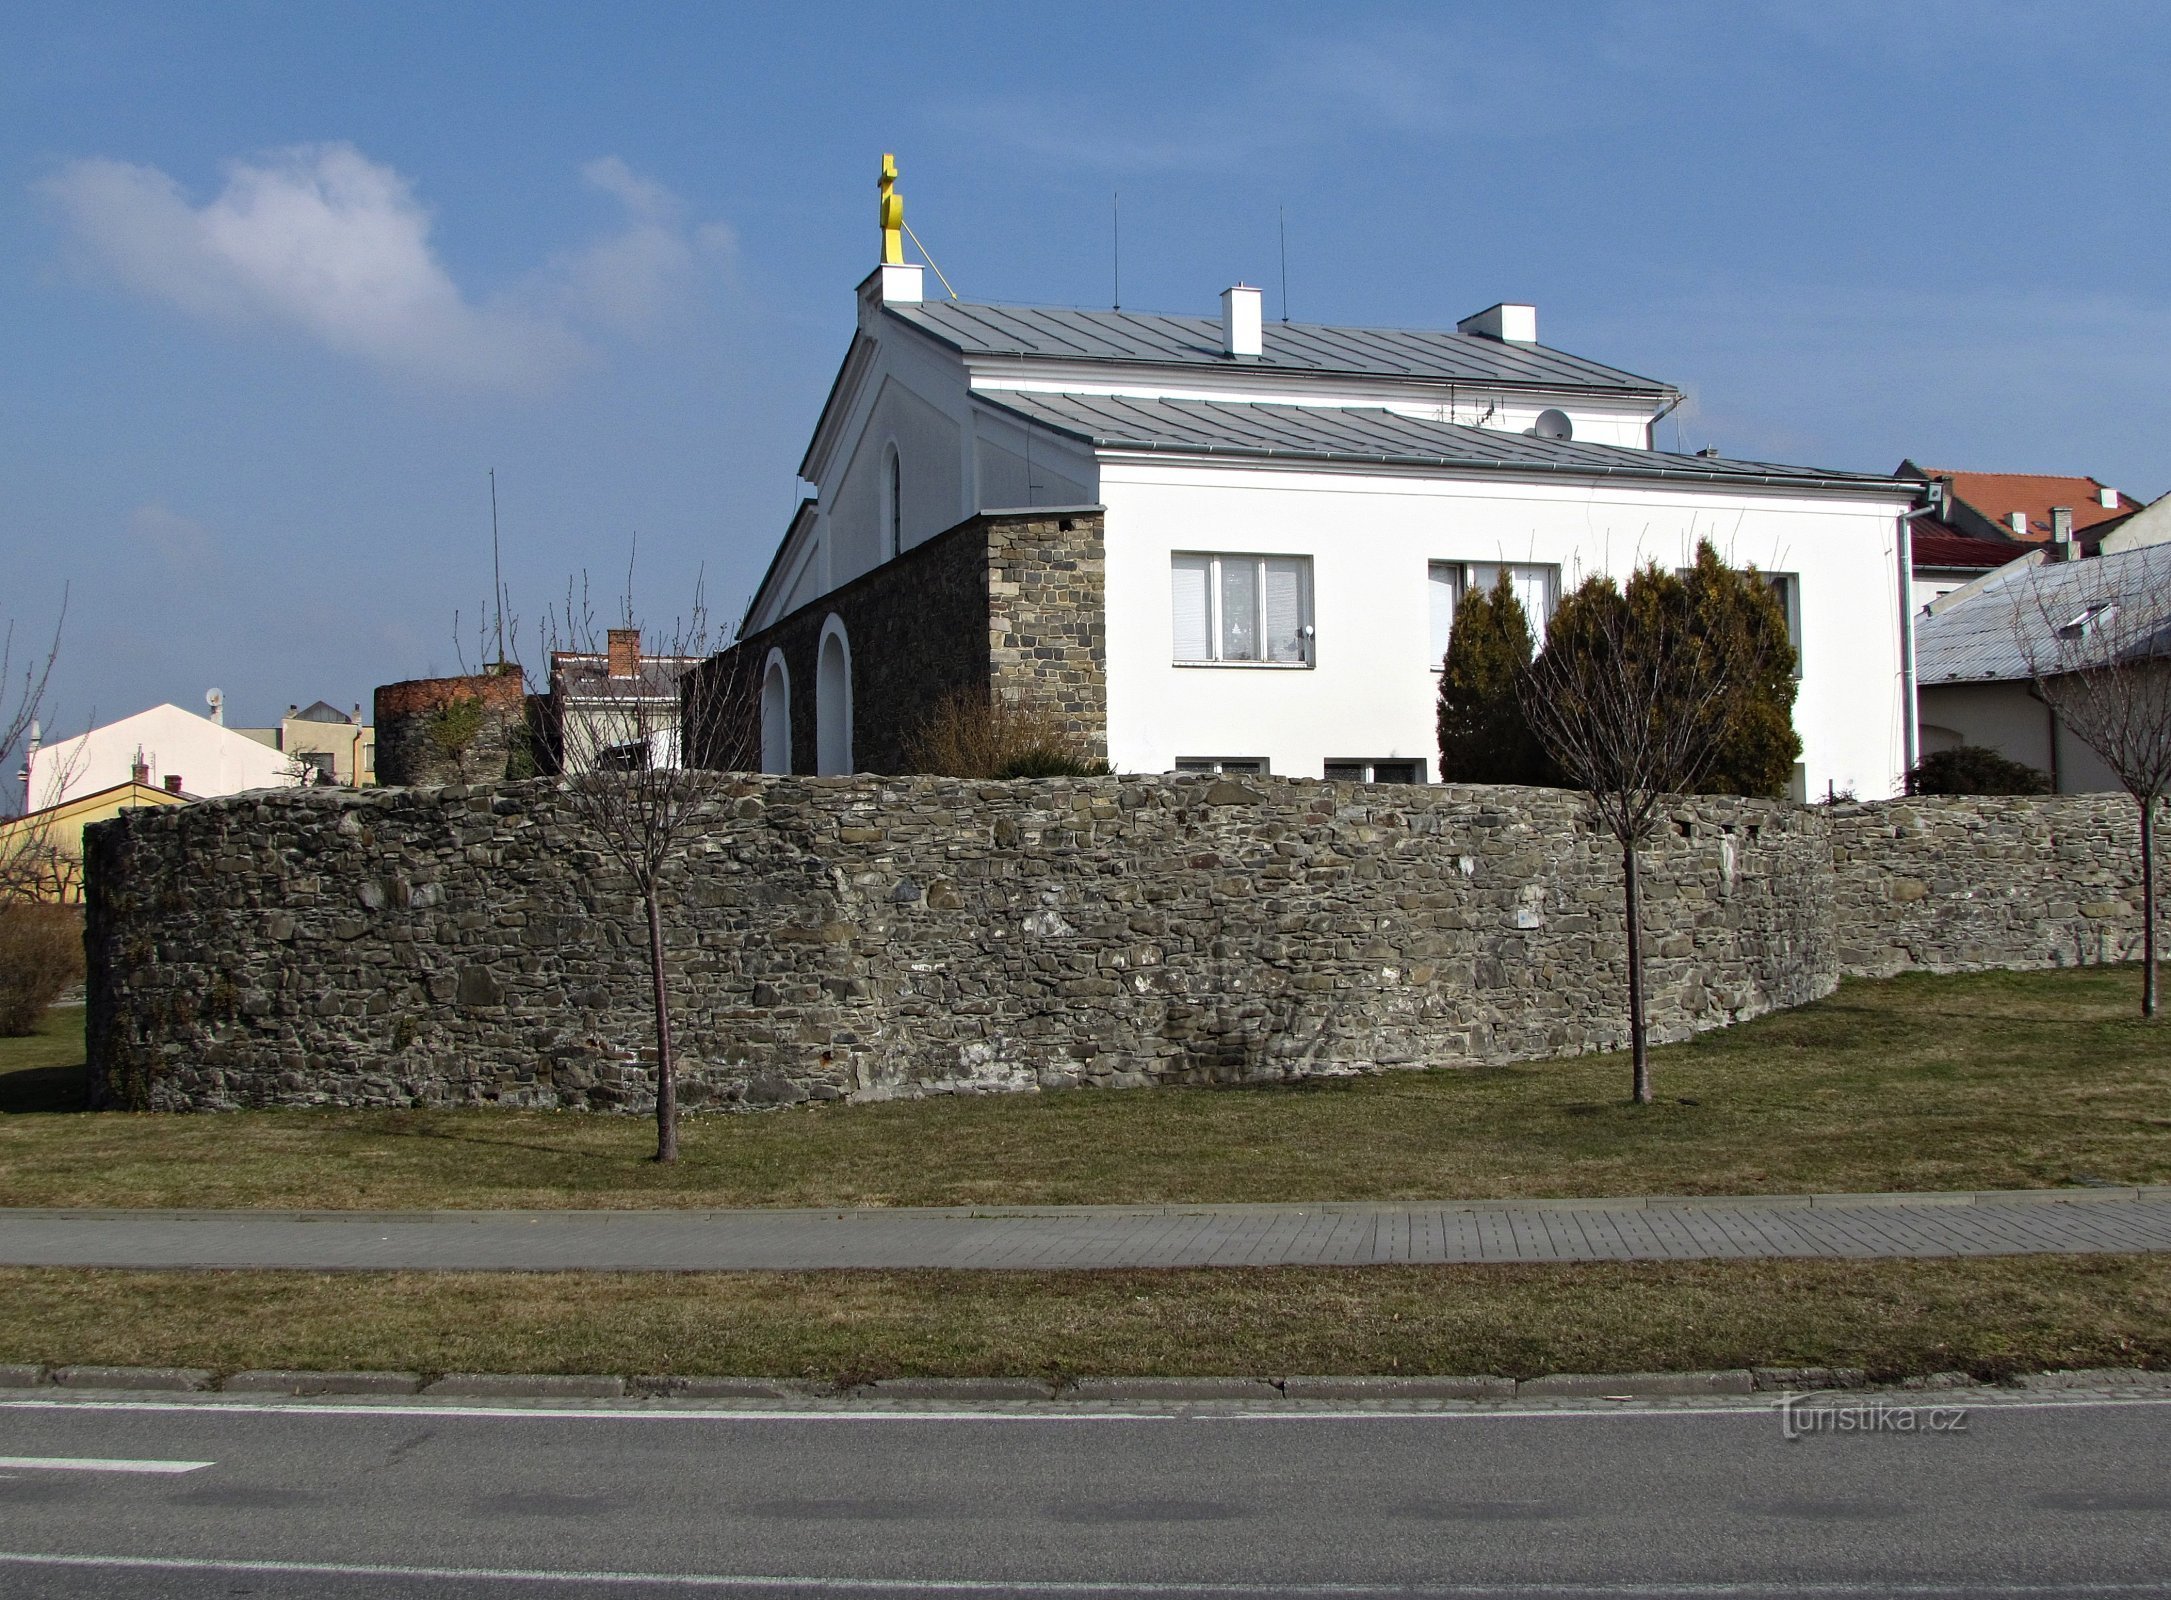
{"x":1012,"y":602}
{"x":408,"y":713}
{"x":867,"y":938}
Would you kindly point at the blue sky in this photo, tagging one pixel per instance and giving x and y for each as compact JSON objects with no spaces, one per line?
{"x":284,"y":282}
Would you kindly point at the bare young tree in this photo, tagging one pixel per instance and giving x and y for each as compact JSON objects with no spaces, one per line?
{"x":2096,"y":636}
{"x":1633,"y":704}
{"x":32,"y":866}
{"x":613,"y":724}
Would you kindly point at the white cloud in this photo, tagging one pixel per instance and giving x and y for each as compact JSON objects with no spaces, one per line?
{"x":320,"y":239}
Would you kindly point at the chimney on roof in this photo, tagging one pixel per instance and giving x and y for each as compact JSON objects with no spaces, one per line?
{"x":2062,"y":545}
{"x":625,"y":652}
{"x":173,"y":783}
{"x":1240,"y":332}
{"x":2018,"y":522}
{"x":2107,"y":497}
{"x":1508,"y":322}
{"x":139,"y":770}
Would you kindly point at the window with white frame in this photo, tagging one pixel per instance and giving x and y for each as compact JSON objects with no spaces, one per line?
{"x":1236,"y":608}
{"x":1257,"y":765}
{"x":1537,"y":586}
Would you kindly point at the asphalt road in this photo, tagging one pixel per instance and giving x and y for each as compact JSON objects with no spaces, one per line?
{"x":2038,"y":1496}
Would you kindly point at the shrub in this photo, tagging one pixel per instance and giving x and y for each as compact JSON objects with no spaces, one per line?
{"x":968,"y":735}
{"x":1974,"y":769}
{"x":41,"y":956}
{"x":1484,"y":737}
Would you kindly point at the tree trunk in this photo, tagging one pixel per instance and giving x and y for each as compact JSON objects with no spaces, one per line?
{"x":2148,"y":907}
{"x":666,"y":1078}
{"x":1639,"y":1048}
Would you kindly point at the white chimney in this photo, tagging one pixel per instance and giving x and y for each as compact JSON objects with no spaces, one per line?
{"x":1508,"y":322}
{"x":1240,"y":334}
{"x":2018,"y":521}
{"x":2107,"y":498}
{"x":901,"y":285}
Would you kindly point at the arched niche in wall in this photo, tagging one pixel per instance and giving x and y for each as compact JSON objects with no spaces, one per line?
{"x":776,"y":715}
{"x":833,"y":701}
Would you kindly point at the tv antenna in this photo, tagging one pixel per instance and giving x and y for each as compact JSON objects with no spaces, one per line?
{"x":1116,"y":210}
{"x":1282,"y":212}
{"x":497,"y":571}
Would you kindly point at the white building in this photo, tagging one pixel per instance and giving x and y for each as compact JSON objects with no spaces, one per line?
{"x":162,"y":748}
{"x":1290,"y":512}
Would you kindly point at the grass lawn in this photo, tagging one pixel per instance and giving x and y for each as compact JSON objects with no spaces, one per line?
{"x":1894,"y":1318}
{"x":1995,"y":1080}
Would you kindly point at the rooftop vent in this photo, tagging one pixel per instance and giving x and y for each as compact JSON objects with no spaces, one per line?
{"x":2018,"y":522}
{"x":1240,"y":334}
{"x":2107,"y":497}
{"x":1508,"y":322}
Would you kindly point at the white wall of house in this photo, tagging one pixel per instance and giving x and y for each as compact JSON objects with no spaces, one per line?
{"x":1371,"y":536}
{"x":208,"y":758}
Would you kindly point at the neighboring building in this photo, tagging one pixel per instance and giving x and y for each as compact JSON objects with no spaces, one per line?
{"x":1945,"y":561}
{"x":1240,"y":545}
{"x":1972,"y":651}
{"x":613,"y":708}
{"x":41,"y":852}
{"x":338,"y":746}
{"x":2024,"y":507}
{"x":162,"y":748}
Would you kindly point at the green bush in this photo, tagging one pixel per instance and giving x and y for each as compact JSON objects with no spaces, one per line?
{"x":1739,"y":619}
{"x":1484,"y":737}
{"x":1974,"y":769}
{"x":41,"y":957}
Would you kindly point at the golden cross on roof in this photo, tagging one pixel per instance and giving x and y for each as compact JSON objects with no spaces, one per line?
{"x":893,"y":215}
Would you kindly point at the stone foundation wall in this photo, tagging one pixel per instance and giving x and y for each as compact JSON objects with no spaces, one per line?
{"x":868,"y":938}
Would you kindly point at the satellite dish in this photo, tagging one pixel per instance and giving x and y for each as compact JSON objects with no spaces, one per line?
{"x":214,"y":697}
{"x":1552,"y":423}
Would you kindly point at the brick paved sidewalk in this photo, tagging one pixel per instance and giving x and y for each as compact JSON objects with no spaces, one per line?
{"x":2022,"y":1222}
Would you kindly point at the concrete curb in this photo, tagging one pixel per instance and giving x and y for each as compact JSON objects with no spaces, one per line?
{"x":527,"y":1386}
{"x":1327,"y":1387}
{"x":187,"y":1379}
{"x":1635,"y":1385}
{"x":279,"y":1381}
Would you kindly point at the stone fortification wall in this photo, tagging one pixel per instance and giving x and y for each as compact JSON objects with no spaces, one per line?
{"x":1957,"y":885}
{"x":423,"y":738}
{"x":871,"y":937}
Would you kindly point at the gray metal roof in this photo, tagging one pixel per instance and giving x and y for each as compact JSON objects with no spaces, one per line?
{"x":1367,"y":433}
{"x":1058,"y":333}
{"x":1986,"y":632}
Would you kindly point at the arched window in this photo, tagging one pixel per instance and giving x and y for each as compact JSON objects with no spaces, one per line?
{"x":833,"y":701}
{"x":776,"y":715}
{"x":893,"y":504}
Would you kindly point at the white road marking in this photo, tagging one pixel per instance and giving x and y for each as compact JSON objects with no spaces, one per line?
{"x":1061,"y":1586}
{"x":96,"y":1464}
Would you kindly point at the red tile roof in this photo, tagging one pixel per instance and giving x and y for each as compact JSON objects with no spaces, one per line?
{"x":1997,"y":495}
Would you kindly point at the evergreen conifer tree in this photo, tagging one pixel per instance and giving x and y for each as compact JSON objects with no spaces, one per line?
{"x":1484,"y":735}
{"x":1737,"y":617}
